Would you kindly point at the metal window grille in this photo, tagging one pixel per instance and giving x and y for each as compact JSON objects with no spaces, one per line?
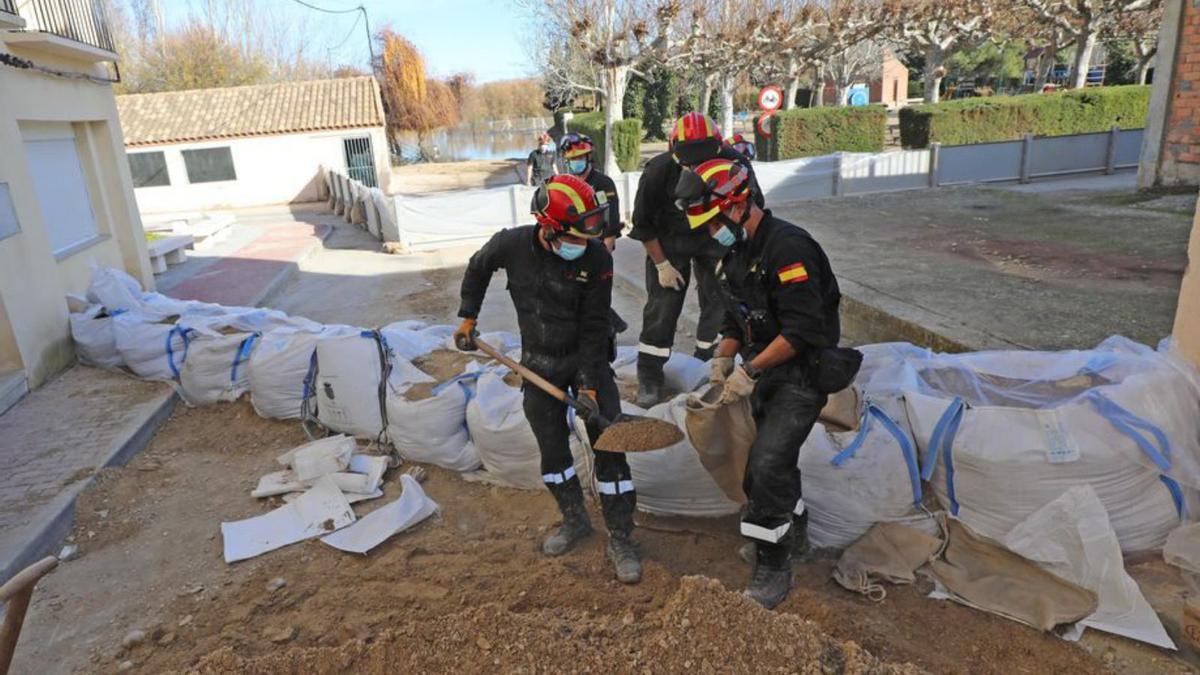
{"x":8,"y":6}
{"x":360,"y":160}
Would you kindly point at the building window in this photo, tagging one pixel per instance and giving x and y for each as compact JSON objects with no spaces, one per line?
{"x":149,"y":169}
{"x":209,"y":165}
{"x":61,"y":189}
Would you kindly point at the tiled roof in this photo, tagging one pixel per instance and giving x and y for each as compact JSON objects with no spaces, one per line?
{"x":255,"y":110}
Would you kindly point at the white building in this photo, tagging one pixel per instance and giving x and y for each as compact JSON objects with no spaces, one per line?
{"x":253,"y":145}
{"x":66,"y":199}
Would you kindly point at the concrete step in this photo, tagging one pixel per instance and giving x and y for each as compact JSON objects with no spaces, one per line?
{"x":13,"y":388}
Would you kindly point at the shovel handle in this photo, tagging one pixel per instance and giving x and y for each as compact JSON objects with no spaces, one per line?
{"x":530,"y":376}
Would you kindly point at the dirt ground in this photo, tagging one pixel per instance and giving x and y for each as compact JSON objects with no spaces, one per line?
{"x":444,"y":176}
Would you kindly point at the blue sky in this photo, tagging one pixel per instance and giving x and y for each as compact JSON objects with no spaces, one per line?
{"x":481,"y":36}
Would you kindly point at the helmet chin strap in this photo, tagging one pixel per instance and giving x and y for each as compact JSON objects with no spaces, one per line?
{"x":738,"y":227}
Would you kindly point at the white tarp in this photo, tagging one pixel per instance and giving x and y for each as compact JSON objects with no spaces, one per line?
{"x":1071,"y":538}
{"x":373,"y":529}
{"x":320,"y":457}
{"x":321,"y":510}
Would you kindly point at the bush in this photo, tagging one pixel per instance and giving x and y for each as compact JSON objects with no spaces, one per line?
{"x":1008,"y":118}
{"x":627,"y":138}
{"x":805,"y":132}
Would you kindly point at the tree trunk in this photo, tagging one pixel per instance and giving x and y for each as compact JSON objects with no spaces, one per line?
{"x":615,"y":80}
{"x":1085,"y":45}
{"x":705,"y":98}
{"x":793,"y":89}
{"x":935,"y":59}
{"x":818,"y":99}
{"x":725,"y":89}
{"x":1143,"y":69}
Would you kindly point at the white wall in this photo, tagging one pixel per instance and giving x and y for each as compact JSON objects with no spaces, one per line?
{"x":270,"y":170}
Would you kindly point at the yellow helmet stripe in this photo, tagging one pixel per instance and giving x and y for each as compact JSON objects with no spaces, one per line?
{"x":570,"y":193}
{"x":708,"y":130}
{"x":697,"y":220}
{"x":723,"y":166}
{"x":680,"y":133}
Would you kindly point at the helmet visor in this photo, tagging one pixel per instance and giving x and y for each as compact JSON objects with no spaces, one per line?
{"x":590,"y":224}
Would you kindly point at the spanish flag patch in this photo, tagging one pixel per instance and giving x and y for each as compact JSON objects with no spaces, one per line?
{"x":793,"y":274}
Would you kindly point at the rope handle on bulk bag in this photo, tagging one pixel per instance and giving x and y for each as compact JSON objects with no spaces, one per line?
{"x":943,"y":440}
{"x":184,"y":334}
{"x":385,"y":365}
{"x":243,"y":354}
{"x":1128,"y":423}
{"x":906,"y":448}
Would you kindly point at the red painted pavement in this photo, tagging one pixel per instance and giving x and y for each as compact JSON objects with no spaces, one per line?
{"x":240,"y":278}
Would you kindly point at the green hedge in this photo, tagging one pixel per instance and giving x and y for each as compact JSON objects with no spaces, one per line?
{"x":1008,"y":118}
{"x":627,"y":138}
{"x":804,"y":132}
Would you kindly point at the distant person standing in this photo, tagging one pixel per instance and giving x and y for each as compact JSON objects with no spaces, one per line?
{"x":540,"y":164}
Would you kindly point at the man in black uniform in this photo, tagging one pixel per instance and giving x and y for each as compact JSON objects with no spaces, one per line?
{"x":576,"y":152}
{"x":673,"y":250}
{"x":540,"y":164}
{"x":782,"y":318}
{"x":560,"y":281}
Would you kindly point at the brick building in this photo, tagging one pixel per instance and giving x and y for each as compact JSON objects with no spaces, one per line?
{"x":1171,"y":153}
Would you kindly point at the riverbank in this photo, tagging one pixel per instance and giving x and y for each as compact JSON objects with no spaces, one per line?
{"x":425,"y":178}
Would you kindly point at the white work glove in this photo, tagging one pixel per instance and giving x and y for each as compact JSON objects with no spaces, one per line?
{"x":668,"y":276}
{"x":738,"y":386}
{"x":721,"y":366}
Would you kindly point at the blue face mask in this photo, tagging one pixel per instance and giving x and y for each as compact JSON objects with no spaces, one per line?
{"x":546,"y":147}
{"x":568,"y":251}
{"x":725,"y":236}
{"x":577,"y":166}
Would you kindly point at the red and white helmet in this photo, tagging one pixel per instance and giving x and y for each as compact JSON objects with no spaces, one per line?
{"x":742,"y":145}
{"x":706,"y":190}
{"x":695,"y":138}
{"x":564,"y":204}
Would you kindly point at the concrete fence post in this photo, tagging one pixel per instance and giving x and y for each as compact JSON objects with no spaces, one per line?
{"x":390,"y":229}
{"x":351,"y":198}
{"x":1026,"y":157}
{"x":935,"y":160}
{"x":838,"y":188}
{"x":514,"y":212}
{"x":1110,"y":155}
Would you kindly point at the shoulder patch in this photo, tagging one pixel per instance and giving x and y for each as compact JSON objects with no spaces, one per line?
{"x":793,"y":274}
{"x":606,"y":275}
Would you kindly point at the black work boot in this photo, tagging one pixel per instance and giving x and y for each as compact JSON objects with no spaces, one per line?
{"x":772,"y":578}
{"x":575,"y":524}
{"x":650,"y":383}
{"x":618,"y":517}
{"x":705,"y":354}
{"x":801,"y":550}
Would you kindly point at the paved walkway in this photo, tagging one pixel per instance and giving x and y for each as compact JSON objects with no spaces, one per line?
{"x":54,"y":441}
{"x":257,"y":258}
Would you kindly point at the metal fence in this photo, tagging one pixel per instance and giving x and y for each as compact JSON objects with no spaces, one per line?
{"x":1035,"y":157}
{"x":83,"y":21}
{"x":8,"y":6}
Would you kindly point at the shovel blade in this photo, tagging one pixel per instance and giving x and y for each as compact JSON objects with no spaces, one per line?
{"x":636,"y":433}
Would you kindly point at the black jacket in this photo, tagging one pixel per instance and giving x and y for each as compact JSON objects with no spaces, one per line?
{"x":780,"y":283}
{"x":602,"y":183}
{"x":562,"y":306}
{"x":655,"y":215}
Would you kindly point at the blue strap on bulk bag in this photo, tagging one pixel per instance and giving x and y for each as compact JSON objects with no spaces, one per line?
{"x":243,"y":354}
{"x":184,"y":333}
{"x":906,"y":448}
{"x":943,"y":441}
{"x":1128,"y":423}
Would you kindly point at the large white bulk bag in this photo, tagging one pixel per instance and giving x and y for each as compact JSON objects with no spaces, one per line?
{"x":279,"y":366}
{"x":507,"y":447}
{"x":672,"y":481}
{"x":852,"y":480}
{"x":151,"y":345}
{"x":434,"y":430}
{"x":95,"y":340}
{"x":114,"y":289}
{"x":215,"y":367}
{"x":349,"y":383}
{"x":412,"y":339}
{"x":681,"y":373}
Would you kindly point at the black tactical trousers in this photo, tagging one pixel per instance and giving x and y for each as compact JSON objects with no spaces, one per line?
{"x":548,"y":418}
{"x":785,"y":407}
{"x":663,"y":305}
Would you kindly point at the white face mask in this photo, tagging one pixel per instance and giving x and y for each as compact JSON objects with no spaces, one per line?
{"x":546,"y":147}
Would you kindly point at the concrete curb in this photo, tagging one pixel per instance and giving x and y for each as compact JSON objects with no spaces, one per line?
{"x":871,"y":315}
{"x":50,"y":535}
{"x":281,"y":280}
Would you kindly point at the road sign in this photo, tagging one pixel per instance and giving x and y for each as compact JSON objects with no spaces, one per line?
{"x":764,"y":124}
{"x":770,"y":98}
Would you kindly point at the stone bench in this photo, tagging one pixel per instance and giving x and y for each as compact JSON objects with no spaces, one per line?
{"x":169,"y":250}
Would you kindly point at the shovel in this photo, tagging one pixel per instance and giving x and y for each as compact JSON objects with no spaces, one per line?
{"x":626,"y":433}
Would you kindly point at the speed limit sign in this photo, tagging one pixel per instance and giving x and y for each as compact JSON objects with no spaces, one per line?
{"x":770,"y":98}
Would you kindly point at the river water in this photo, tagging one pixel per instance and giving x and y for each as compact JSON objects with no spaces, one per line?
{"x":497,"y":139}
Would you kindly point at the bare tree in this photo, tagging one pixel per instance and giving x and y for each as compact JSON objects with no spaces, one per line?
{"x":937,"y":29}
{"x":729,"y":37}
{"x":861,"y":61}
{"x":814,"y":33}
{"x":1140,"y":30}
{"x":1087,"y":21}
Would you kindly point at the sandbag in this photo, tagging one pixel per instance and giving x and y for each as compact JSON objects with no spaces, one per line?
{"x":151,"y":345}
{"x":95,"y":340}
{"x":434,"y":430}
{"x":722,"y":436}
{"x":278,"y":367}
{"x":672,"y":481}
{"x":682,"y":373}
{"x":348,"y":383}
{"x":504,"y":440}
{"x":852,"y":480}
{"x":215,"y":366}
{"x":413,"y":339}
{"x":114,"y":289}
